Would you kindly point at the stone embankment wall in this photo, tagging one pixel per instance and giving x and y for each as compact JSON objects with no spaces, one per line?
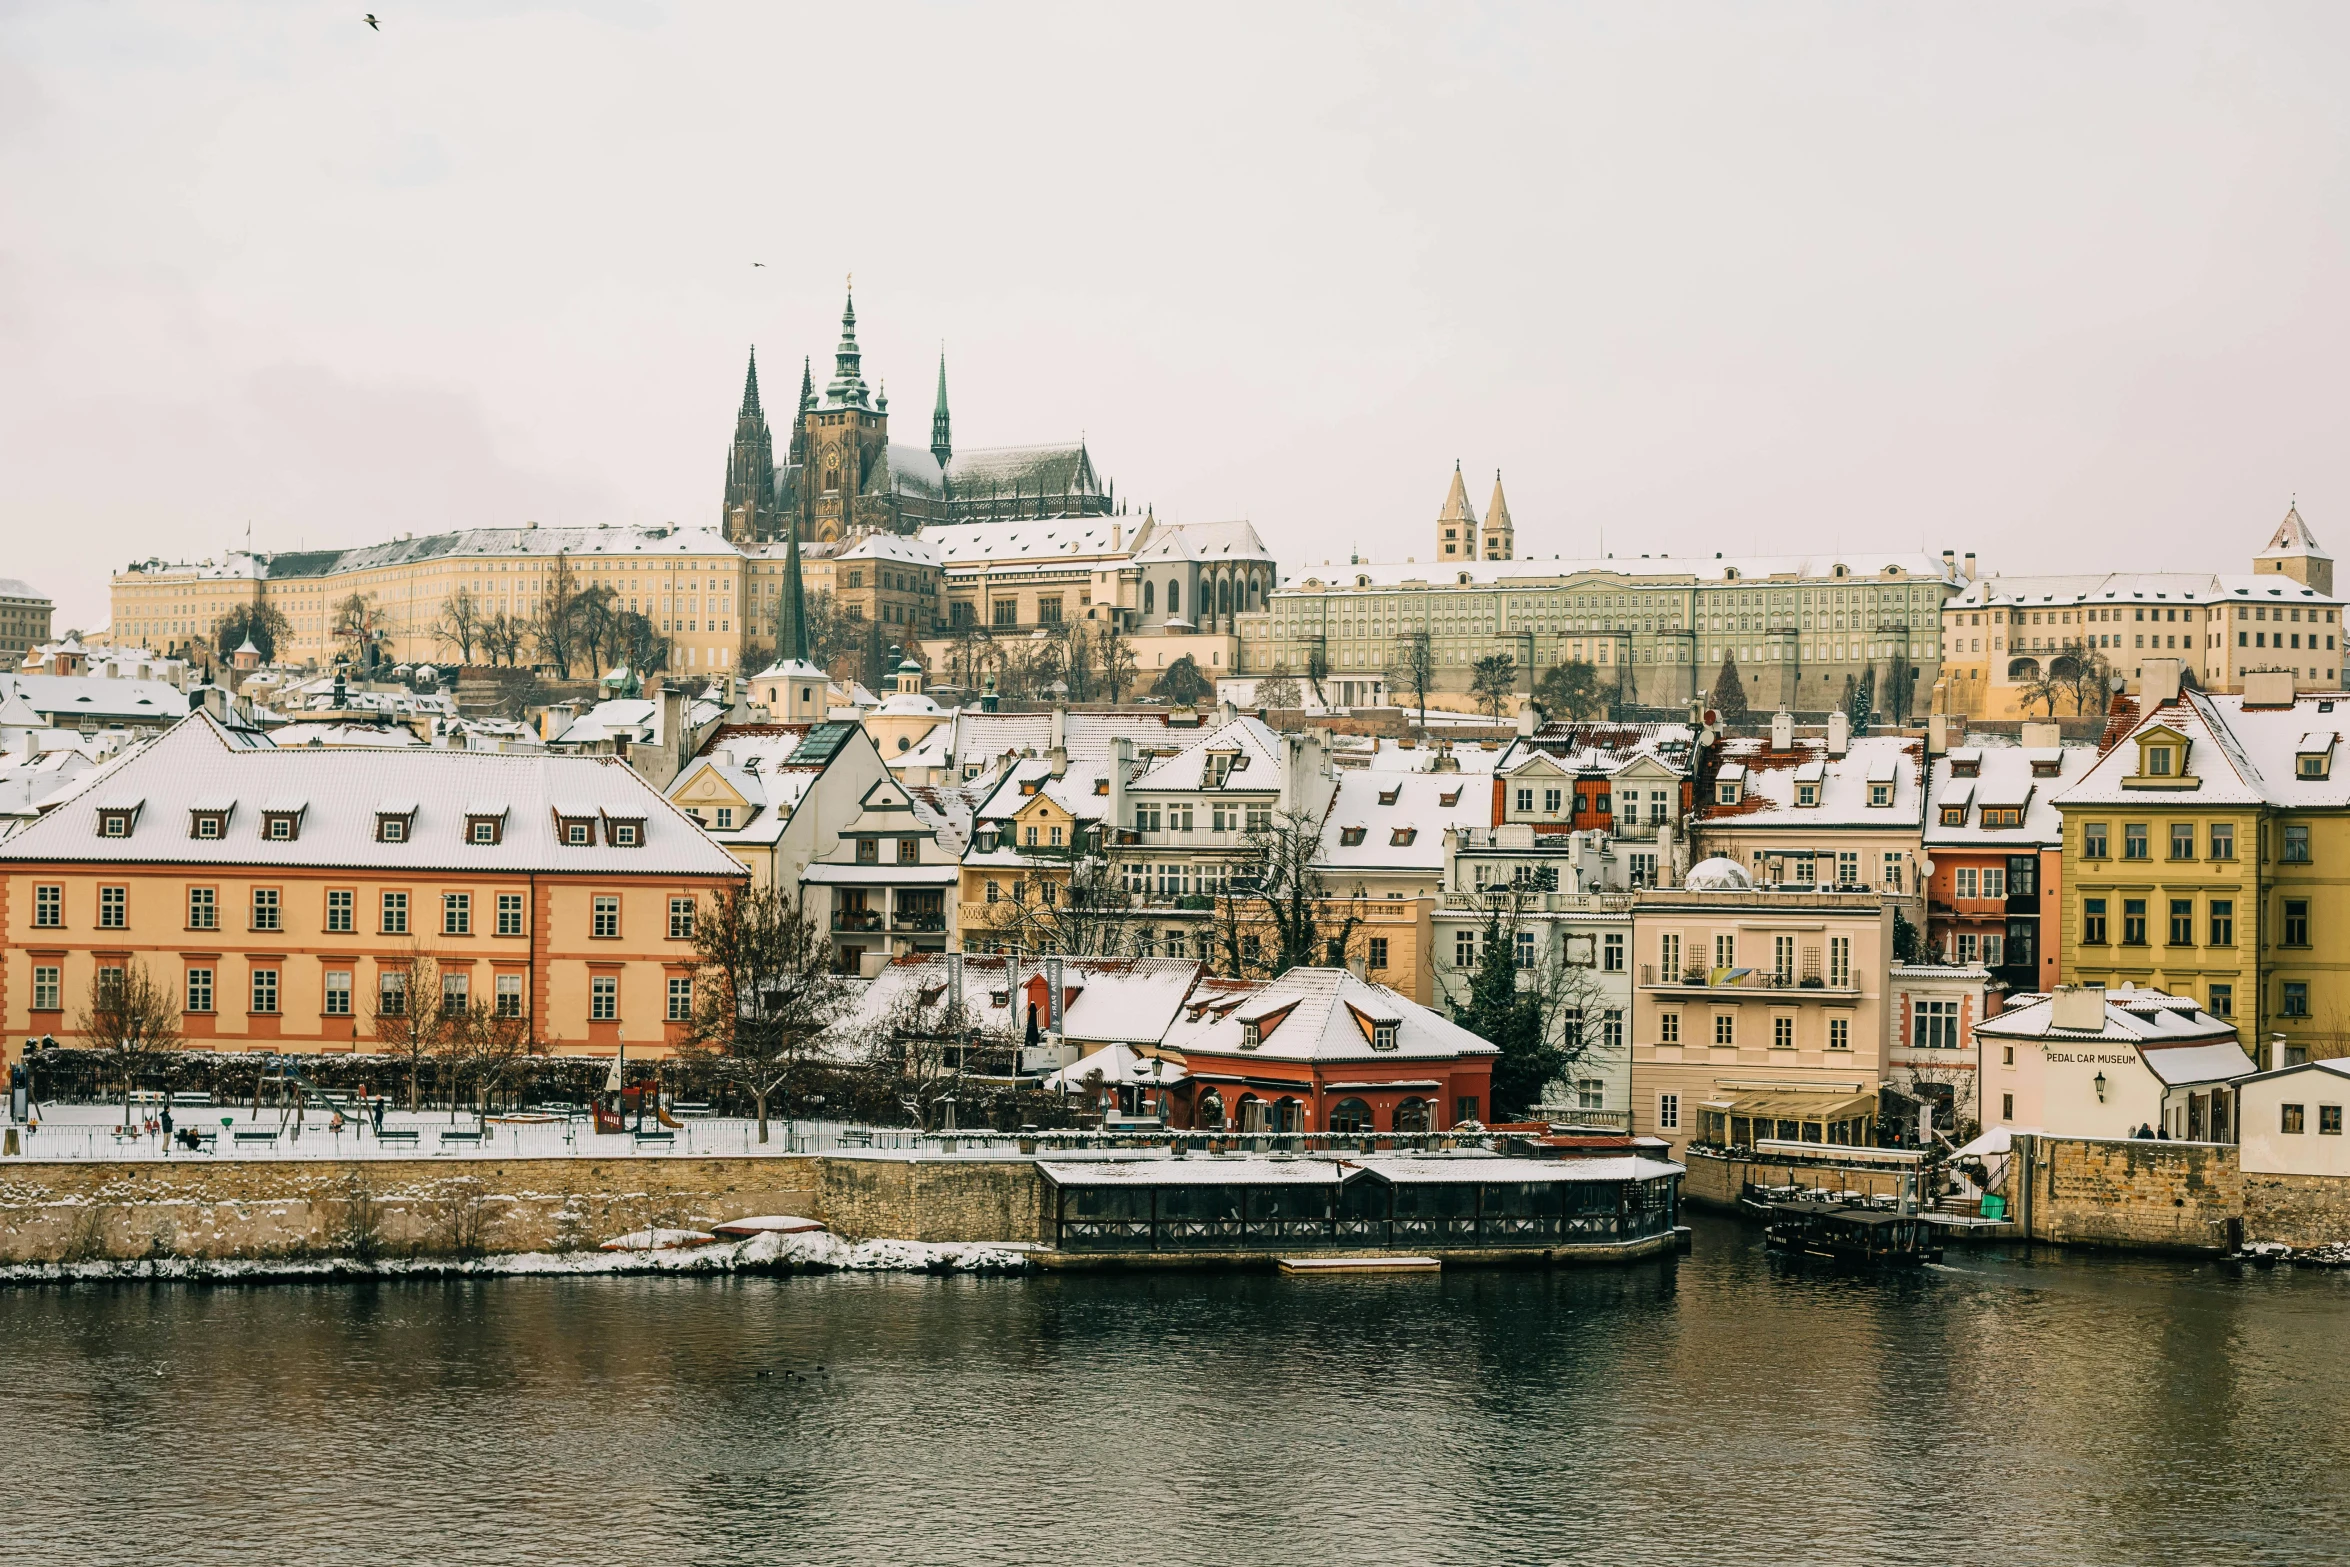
{"x":1715,"y":1180}
{"x":2130,"y":1193}
{"x":2302,"y":1211}
{"x":77,"y":1211}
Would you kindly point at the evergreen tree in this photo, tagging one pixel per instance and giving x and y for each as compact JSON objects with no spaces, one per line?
{"x":1729,"y":691}
{"x":1509,"y":1019}
{"x":1183,"y":684}
{"x":1864,"y":700}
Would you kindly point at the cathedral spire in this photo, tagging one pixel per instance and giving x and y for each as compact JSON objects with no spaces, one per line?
{"x":807,"y":384}
{"x":747,"y":510}
{"x":791,"y":641}
{"x":751,"y":384}
{"x":1456,"y":524}
{"x":942,"y":445}
{"x":847,"y":387}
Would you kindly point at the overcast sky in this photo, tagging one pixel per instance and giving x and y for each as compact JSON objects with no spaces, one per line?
{"x":2059,"y":284}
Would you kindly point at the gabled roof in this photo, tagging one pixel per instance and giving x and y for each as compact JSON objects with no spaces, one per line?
{"x":1328,"y":1015}
{"x":197,"y":763}
{"x":1187,"y":769}
{"x":1199,"y":541}
{"x":1362,"y":809}
{"x":1110,"y":1000}
{"x":1769,"y":779}
{"x":2005,"y":776}
{"x":2224,"y":774}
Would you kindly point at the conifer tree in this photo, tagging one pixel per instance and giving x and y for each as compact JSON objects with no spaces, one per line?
{"x":1729,"y":691}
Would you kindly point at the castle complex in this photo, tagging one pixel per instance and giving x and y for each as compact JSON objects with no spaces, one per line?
{"x":843,"y":477}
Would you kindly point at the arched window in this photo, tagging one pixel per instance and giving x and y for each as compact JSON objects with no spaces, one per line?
{"x":1210,"y":1117}
{"x":1224,"y":596}
{"x":1351,"y":1116}
{"x":2022,"y":668}
{"x":1174,"y":598}
{"x":1289,"y":1115}
{"x":1150,"y":597}
{"x":1412,"y":1116}
{"x":1249,"y":1113}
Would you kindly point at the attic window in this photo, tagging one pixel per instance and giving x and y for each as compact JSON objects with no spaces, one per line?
{"x":1880,"y":794}
{"x":1965,"y":766}
{"x":1807,"y":794}
{"x":1101,"y":786}
{"x":1403,"y":835}
{"x":624,"y":832}
{"x":1390,"y":796}
{"x":2157,"y":761}
{"x":2002,"y":815}
{"x":1453,"y":798}
{"x":484,"y":829}
{"x":395,"y":822}
{"x":207,"y":822}
{"x":2314,"y":756}
{"x":1954,"y":816}
{"x":1031,"y":785}
{"x":1385,"y":1035}
{"x":281,"y":826}
{"x":1250,"y":1036}
{"x":2047,"y":766}
{"x":1350,"y":837}
{"x":116,"y":823}
{"x":1727,"y":791}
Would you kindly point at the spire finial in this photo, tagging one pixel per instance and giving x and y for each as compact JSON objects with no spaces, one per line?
{"x":942,"y":445}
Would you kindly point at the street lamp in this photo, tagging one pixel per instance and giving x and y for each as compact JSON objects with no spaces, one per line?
{"x":2100,"y":1086}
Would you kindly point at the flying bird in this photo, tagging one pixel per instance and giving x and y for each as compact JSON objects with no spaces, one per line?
{"x":758,"y":263}
{"x":373,"y":23}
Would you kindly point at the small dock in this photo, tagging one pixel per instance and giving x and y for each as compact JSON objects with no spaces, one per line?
{"x":1352,"y":1265}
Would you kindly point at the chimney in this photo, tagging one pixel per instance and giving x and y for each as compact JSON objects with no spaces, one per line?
{"x":2158,"y":683}
{"x":1226,"y":713}
{"x":1060,"y":732}
{"x":1839,"y":732}
{"x":1356,"y":966}
{"x":1950,"y":563}
{"x":1970,"y":565}
{"x":2078,"y":1008}
{"x":1782,"y":730}
{"x":1937,"y":733}
{"x":1527,"y":717}
{"x":2042,"y":736}
{"x":1059,"y":756}
{"x":671,"y":730}
{"x":2262,"y":688}
{"x":1121,"y":764}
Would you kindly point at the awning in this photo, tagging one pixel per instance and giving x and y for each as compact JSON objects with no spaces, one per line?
{"x":1791,"y":1105}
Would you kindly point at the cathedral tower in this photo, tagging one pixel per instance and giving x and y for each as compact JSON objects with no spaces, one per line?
{"x":2294,"y":551}
{"x":1501,"y":539}
{"x":748,"y":511}
{"x":847,"y":447}
{"x":1456,"y":525}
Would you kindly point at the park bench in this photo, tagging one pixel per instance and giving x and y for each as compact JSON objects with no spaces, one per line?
{"x":255,"y":1137}
{"x":461,"y":1137}
{"x":655,"y":1139}
{"x":404,"y":1137}
{"x":191,"y":1096}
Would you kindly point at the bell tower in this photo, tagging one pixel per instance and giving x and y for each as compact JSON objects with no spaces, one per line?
{"x":2294,"y":551}
{"x":1456,"y":525}
{"x":748,"y":510}
{"x":846,"y":438}
{"x":1501,"y":539}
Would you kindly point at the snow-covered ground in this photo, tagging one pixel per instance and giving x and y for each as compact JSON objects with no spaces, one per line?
{"x":813,"y":1252}
{"x":89,"y":1132}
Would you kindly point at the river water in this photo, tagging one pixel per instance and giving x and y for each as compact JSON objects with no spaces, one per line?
{"x":2041,"y":1408}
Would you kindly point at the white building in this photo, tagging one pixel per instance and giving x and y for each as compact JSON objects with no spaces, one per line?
{"x":2291,"y":1120}
{"x":2090,"y":1062}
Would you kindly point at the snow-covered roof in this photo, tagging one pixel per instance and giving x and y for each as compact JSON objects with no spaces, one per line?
{"x":897,"y":548}
{"x":1048,"y":539}
{"x":381,"y":736}
{"x":1115,"y":1064}
{"x":71,"y":698}
{"x":2132,"y":1016}
{"x":342,"y":793}
{"x":2218,"y":758}
{"x":1202,"y":542}
{"x":1875,"y":569}
{"x":2006,"y":776}
{"x":2140,"y":588}
{"x":1256,"y":769}
{"x":1768,"y":796}
{"x":1194,"y":1172}
{"x":1480,"y":1170}
{"x":1397,"y":821}
{"x":1109,"y":1000}
{"x":1323,"y":1014}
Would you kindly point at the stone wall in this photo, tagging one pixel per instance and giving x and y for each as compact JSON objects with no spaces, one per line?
{"x":253,"y":1208}
{"x":2297,"y":1210}
{"x":908,"y":1197}
{"x":1715,"y":1180}
{"x":2129,"y":1193}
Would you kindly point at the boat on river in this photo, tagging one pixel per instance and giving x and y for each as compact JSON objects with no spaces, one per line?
{"x":1850,"y":1235}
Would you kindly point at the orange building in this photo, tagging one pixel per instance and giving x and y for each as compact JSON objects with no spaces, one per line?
{"x":284,"y":894}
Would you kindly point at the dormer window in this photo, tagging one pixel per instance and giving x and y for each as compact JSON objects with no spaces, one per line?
{"x":575,"y":829}
{"x":1386,"y":1035}
{"x":1966,"y":765}
{"x":624,"y":832}
{"x":278,"y":829}
{"x":1403,"y":835}
{"x":1454,"y":798}
{"x":1954,"y":816}
{"x":1390,"y":796}
{"x":1250,"y":1036}
{"x":725,"y":815}
{"x":2003,"y":816}
{"x":1350,"y":837}
{"x":1101,"y":786}
{"x":208,"y":823}
{"x":116,"y":822}
{"x":1880,"y":794}
{"x":281,"y":819}
{"x":2158,"y":759}
{"x":2047,"y":767}
{"x":1727,"y":791}
{"x":395,"y":822}
{"x":2314,"y":756}
{"x":1807,"y":794}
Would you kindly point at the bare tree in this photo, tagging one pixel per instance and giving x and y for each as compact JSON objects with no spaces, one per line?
{"x":1413,"y":668}
{"x":461,"y":624}
{"x":132,"y":1017}
{"x":1318,"y":670}
{"x":1079,"y":661}
{"x":406,"y":1014}
{"x":555,"y":628}
{"x":1277,"y":692}
{"x":1077,"y":905}
{"x":1274,"y":909}
{"x":763,"y":992}
{"x":1118,"y":661}
{"x":1540,"y":1002}
{"x":2035,"y":682}
{"x":357,"y":622}
{"x":971,"y":655}
{"x":2082,"y":672}
{"x":482,"y":1043}
{"x":264,"y":625}
{"x":926,"y":1045}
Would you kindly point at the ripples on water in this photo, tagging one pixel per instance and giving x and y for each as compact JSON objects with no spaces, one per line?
{"x":2051,"y":1409}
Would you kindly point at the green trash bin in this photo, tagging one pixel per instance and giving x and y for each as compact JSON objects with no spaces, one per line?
{"x":1994,"y":1207}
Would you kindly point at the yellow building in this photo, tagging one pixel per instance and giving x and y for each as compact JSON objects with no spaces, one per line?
{"x":2016,"y":646}
{"x":2208,"y":855}
{"x":284,"y":898}
{"x":431,"y":599}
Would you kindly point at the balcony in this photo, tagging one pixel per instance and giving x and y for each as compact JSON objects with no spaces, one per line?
{"x":1806,"y":980}
{"x":920,"y":922}
{"x":1530,"y":901}
{"x":1184,"y":838}
{"x":856,"y":919}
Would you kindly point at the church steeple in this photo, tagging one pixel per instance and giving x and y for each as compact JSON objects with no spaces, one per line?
{"x":791,"y":640}
{"x":1456,"y":525}
{"x":942,"y":446}
{"x":747,"y":510}
{"x":1501,"y":537}
{"x":847,"y":388}
{"x":799,"y":424}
